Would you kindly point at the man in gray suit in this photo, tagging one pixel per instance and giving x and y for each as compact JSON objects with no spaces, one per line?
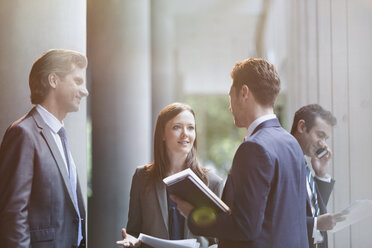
{"x":41,"y":204}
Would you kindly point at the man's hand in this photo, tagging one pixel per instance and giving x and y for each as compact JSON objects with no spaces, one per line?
{"x":128,"y":240}
{"x":183,"y":206}
{"x":320,"y":165}
{"x":328,"y":221}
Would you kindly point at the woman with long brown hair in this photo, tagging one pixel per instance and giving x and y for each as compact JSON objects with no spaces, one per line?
{"x":151,"y":211}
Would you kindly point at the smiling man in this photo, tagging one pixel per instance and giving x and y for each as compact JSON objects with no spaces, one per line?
{"x":312,"y":126}
{"x":41,"y":204}
{"x":266,"y":185}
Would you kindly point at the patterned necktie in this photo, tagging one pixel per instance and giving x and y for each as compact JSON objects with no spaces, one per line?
{"x":63,"y":136}
{"x":314,"y":199}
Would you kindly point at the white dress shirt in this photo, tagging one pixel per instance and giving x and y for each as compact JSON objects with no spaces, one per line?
{"x":257,"y":122}
{"x":55,"y":125}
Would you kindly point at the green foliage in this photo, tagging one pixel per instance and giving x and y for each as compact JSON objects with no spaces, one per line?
{"x":218,"y":138}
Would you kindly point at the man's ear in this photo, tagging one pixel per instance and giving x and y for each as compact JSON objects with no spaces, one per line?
{"x":53,"y":80}
{"x":301,"y":126}
{"x":244,"y":91}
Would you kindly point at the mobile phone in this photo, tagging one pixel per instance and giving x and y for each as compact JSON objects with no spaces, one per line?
{"x":321,"y":152}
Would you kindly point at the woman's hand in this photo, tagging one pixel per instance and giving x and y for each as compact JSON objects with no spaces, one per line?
{"x":128,"y":240}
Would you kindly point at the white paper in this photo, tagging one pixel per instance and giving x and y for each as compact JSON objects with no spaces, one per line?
{"x":165,"y":243}
{"x":358,"y":210}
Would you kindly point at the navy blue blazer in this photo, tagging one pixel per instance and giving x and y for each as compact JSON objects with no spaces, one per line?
{"x":266,"y":191}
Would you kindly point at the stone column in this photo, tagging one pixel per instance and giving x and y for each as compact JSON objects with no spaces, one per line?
{"x":119,"y":71}
{"x":28,"y":29}
{"x":163,"y":57}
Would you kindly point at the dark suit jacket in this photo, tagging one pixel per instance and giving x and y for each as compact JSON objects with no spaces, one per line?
{"x":148,"y":210}
{"x":266,"y":192}
{"x":36,"y":206}
{"x":324,"y":191}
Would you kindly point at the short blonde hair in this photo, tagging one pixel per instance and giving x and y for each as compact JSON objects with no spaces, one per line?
{"x":58,"y":61}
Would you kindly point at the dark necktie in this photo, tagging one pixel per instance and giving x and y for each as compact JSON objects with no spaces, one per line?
{"x":176,"y":221}
{"x":314,"y":199}
{"x":63,"y":136}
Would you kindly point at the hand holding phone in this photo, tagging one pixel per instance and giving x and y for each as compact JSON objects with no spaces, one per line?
{"x":320,"y":162}
{"x":321,"y":152}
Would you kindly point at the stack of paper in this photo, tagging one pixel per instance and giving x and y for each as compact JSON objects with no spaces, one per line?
{"x":358,"y":210}
{"x":164,"y":243}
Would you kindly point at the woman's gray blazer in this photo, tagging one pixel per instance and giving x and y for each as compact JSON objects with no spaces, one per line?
{"x":148,"y":211}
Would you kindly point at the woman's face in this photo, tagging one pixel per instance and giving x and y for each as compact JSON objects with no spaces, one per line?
{"x":179,"y":134}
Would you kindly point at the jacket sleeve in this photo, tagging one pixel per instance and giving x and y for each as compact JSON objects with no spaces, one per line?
{"x":215,"y":183}
{"x":310,"y":227}
{"x":134,"y":225}
{"x":16,"y":172}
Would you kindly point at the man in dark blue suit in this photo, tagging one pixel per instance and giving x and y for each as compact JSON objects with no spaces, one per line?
{"x":312,"y":126}
{"x":266,"y":187}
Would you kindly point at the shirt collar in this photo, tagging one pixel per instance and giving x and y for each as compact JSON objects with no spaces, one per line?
{"x":54,"y":124}
{"x":257,"y":122}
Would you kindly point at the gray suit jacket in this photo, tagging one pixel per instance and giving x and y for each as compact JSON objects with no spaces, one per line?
{"x":148,"y":212}
{"x":36,"y":202}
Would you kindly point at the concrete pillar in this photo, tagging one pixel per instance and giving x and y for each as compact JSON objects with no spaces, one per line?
{"x":163,"y":62}
{"x":28,"y":29}
{"x":119,"y":71}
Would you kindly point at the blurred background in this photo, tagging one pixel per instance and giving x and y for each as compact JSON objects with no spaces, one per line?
{"x":145,"y":54}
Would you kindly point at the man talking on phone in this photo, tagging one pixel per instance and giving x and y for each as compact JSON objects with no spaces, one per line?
{"x":312,"y":126}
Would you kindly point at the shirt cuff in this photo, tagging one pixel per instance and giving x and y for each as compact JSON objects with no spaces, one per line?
{"x":326,"y":179}
{"x":317,"y":236}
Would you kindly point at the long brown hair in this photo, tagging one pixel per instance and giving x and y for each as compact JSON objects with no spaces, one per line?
{"x":157,"y":170}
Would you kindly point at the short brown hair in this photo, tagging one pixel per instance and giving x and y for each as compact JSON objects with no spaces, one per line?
{"x":309,"y":113}
{"x":57,"y":61}
{"x":261,"y":78}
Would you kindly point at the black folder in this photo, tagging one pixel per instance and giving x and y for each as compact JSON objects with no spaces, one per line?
{"x":189,"y":187}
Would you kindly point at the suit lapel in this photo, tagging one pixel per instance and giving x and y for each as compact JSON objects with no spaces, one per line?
{"x":81,"y":207}
{"x":163,"y":202}
{"x":80,"y":199}
{"x":45,"y":132}
{"x":322,"y":207}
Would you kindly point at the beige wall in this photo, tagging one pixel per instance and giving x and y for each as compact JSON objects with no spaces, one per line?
{"x":329,"y":62}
